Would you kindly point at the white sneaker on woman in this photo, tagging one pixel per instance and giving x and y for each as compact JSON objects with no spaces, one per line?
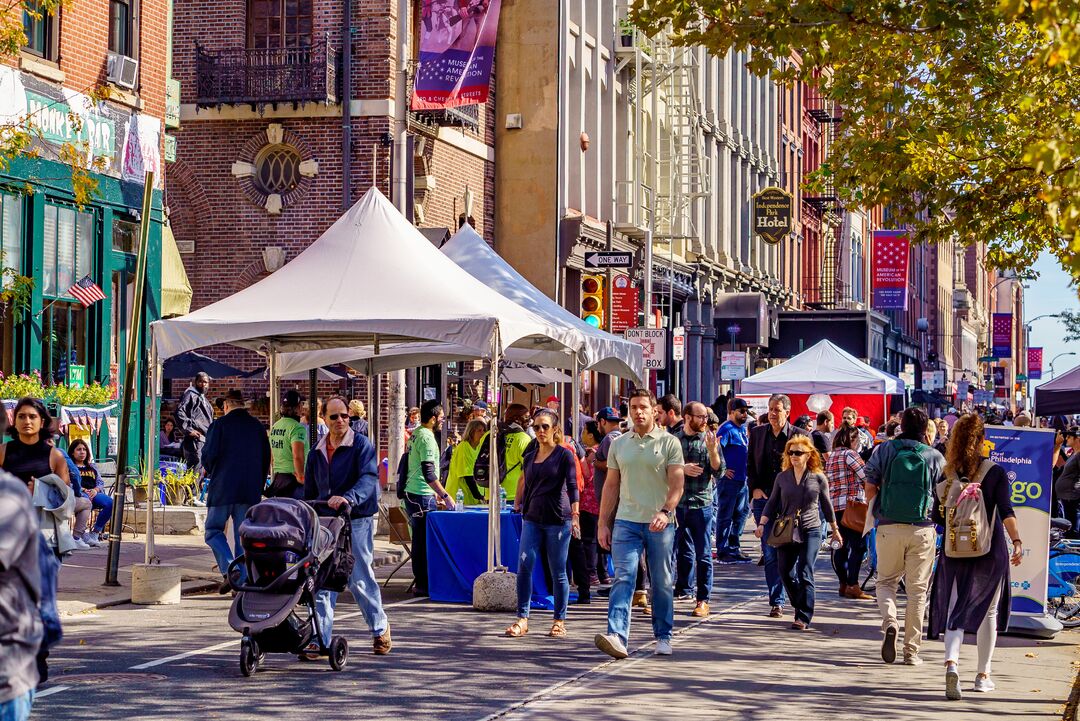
{"x":983,"y":684}
{"x":80,"y":544}
{"x":952,"y":683}
{"x":91,"y":539}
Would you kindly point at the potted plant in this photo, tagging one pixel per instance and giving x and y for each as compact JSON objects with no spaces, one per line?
{"x":626,"y":33}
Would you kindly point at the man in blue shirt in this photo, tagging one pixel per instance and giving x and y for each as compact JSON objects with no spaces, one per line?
{"x":732,"y":496}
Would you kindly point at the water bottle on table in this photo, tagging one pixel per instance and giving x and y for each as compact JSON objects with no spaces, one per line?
{"x":502,"y":498}
{"x":460,"y":505}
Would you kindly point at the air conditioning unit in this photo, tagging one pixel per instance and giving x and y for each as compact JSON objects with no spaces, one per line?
{"x":122,"y":70}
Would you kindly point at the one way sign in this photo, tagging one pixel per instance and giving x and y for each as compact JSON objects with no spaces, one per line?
{"x":608,"y":259}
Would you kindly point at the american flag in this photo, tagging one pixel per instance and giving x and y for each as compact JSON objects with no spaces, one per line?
{"x":86,"y":291}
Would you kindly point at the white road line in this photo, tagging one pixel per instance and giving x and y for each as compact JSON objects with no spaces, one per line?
{"x":50,"y":691}
{"x":613,"y":666}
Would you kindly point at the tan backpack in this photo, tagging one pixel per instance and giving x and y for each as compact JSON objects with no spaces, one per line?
{"x":968,"y":528}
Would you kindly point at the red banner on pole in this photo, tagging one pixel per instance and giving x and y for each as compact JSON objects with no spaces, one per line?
{"x":889,"y":271}
{"x":1034,"y":363}
{"x":457,"y":50}
{"x":624,"y":303}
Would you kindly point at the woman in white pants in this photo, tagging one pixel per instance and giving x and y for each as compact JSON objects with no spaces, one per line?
{"x":972,"y":594}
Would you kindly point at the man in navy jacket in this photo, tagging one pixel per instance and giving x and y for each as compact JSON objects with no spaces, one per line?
{"x":343,"y":468}
{"x":237,"y":459}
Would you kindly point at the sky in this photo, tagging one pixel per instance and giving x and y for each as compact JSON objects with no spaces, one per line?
{"x":1051,"y":294}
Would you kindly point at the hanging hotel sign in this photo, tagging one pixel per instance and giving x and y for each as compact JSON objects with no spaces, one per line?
{"x":773,"y":214}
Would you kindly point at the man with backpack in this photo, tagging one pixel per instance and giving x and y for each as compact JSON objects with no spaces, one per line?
{"x":510,"y":444}
{"x":902,"y":474}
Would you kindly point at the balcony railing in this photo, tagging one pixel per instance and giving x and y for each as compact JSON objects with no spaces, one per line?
{"x":236,"y":76}
{"x":463,"y":116}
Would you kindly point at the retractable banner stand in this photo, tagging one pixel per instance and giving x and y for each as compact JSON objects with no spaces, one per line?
{"x":1027,"y":457}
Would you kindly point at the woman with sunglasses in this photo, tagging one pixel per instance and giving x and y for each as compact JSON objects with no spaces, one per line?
{"x":547,"y":498}
{"x":801,"y":492}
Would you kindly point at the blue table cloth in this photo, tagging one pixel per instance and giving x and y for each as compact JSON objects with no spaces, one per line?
{"x":457,"y":554}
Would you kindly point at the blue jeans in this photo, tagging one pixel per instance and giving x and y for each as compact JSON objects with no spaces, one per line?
{"x":216,"y":518}
{"x":732,"y":508}
{"x":18,"y":708}
{"x":418,"y":507}
{"x":556,"y":543}
{"x":628,"y":541}
{"x":797,"y":569}
{"x":772,"y":570}
{"x":103,"y":503}
{"x":693,"y":551}
{"x":362,"y":584}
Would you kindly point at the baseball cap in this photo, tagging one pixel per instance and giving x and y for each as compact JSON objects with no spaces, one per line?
{"x":552,"y":399}
{"x":482,"y":405}
{"x":860,"y":423}
{"x":737,"y":404}
{"x":607,"y":413}
{"x":292,"y":397}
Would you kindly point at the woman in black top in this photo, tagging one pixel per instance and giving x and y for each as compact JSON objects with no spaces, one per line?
{"x":93,"y":487}
{"x":547,"y":497}
{"x":801,"y":489}
{"x":28,"y":454}
{"x":972,"y":594}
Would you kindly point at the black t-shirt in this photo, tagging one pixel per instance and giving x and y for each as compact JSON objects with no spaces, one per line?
{"x":88,"y":477}
{"x":549,"y":487}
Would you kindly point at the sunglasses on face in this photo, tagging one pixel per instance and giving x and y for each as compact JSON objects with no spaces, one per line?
{"x":541,"y":426}
{"x":796,"y":453}
{"x":338,"y":416}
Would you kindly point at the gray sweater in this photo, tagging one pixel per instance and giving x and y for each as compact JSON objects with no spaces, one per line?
{"x":809,"y":499}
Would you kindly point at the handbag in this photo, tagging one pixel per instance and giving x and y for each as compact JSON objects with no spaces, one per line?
{"x":854,"y":516}
{"x":784,"y":532}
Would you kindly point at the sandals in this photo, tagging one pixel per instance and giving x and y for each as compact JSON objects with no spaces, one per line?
{"x":518,"y":628}
{"x":558,"y":629}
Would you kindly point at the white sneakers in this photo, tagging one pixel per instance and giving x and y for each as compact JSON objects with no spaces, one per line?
{"x":663,"y":647}
{"x":983,"y":684}
{"x":80,"y":544}
{"x":952,"y":683}
{"x":611,"y":644}
{"x":91,"y":539}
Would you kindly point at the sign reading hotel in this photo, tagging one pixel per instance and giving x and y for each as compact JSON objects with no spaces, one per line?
{"x":773,"y":214}
{"x":889,"y":271}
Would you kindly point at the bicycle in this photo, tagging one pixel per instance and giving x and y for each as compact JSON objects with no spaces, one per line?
{"x":1063,"y":587}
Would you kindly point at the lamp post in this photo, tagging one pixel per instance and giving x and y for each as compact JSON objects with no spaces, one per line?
{"x":1027,"y":343}
{"x":1059,"y":355}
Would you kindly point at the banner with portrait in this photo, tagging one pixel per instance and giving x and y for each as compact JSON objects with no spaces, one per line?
{"x":457,"y":51}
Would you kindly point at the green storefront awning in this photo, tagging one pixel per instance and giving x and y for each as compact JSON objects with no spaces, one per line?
{"x":175,"y":287}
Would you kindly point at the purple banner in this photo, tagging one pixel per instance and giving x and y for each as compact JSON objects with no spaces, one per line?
{"x":889,"y":272}
{"x":1001,"y":335}
{"x":1035,"y":364}
{"x":457,"y":49}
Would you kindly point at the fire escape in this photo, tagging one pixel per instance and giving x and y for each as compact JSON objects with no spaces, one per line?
{"x":830,"y":288}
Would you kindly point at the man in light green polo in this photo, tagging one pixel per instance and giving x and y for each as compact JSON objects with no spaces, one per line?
{"x":643,"y":486}
{"x":423,"y":491}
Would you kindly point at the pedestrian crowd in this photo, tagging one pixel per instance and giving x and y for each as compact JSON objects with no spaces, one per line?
{"x":636,"y":507}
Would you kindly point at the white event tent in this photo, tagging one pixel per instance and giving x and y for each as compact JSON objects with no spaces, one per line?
{"x":823,"y":368}
{"x":370,"y":281}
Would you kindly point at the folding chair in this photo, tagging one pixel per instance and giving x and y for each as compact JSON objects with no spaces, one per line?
{"x":400,"y":534}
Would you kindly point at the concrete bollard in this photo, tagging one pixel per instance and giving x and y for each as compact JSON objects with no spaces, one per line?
{"x":155,"y":583}
{"x":495,"y":591}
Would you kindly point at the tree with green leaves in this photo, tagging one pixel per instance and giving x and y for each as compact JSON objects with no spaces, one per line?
{"x":963,"y":118}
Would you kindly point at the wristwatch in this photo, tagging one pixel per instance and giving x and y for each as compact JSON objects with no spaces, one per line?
{"x":666,"y":512}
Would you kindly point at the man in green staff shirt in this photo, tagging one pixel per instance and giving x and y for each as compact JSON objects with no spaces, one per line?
{"x":288,"y":450}
{"x":423,"y":491}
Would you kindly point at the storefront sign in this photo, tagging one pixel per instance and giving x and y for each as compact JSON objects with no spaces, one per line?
{"x":678,"y":344}
{"x":60,"y":122}
{"x":113,"y":426}
{"x":624,"y":303}
{"x":653,"y":345}
{"x":962,"y":388}
{"x":773,"y":215}
{"x":889,"y":274}
{"x":732,"y":365}
{"x":933,"y":380}
{"x":1002,"y":335}
{"x":76,"y":376}
{"x":1027,"y":457}
{"x":114,"y":380}
{"x":141,"y":153}
{"x":457,"y":49}
{"x":1034,"y":364}
{"x":172,"y":103}
{"x":170,"y":149}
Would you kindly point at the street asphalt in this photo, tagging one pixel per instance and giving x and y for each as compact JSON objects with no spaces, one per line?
{"x":450,"y":662}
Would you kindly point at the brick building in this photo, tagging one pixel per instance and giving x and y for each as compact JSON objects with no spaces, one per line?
{"x":283,"y":128}
{"x":115,"y":48}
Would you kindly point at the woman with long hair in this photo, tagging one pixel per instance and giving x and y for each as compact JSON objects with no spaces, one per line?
{"x":844,"y":469}
{"x":463,"y":461}
{"x":29,"y":455}
{"x":94,"y":488}
{"x":547,"y":497}
{"x":800,"y":493}
{"x":972,"y":594}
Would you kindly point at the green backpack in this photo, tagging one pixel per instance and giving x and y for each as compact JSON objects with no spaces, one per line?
{"x":906,"y":493}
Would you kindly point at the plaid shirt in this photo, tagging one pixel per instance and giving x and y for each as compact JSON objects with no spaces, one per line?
{"x":844,"y":468}
{"x":698,"y":492}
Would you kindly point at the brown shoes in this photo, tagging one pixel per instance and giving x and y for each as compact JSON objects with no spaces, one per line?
{"x":858,"y":594}
{"x":641,"y":600}
{"x":701,"y":610}
{"x":382,"y":644}
{"x":843,"y":593}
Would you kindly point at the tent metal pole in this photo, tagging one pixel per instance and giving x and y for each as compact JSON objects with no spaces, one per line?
{"x":275,"y":395}
{"x":150,"y":467}
{"x":373,"y":436}
{"x":494,"y":500}
{"x":575,"y":397}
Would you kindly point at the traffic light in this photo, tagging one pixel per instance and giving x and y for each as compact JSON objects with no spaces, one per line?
{"x":593,"y":300}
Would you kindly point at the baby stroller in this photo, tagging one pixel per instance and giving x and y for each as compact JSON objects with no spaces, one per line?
{"x":291,"y":550}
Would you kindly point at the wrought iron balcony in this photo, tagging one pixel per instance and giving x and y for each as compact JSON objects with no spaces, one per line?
{"x":464,"y":116}
{"x":238,"y":76}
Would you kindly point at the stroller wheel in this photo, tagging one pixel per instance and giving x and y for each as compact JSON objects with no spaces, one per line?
{"x":249,"y":657}
{"x":339,"y":653}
